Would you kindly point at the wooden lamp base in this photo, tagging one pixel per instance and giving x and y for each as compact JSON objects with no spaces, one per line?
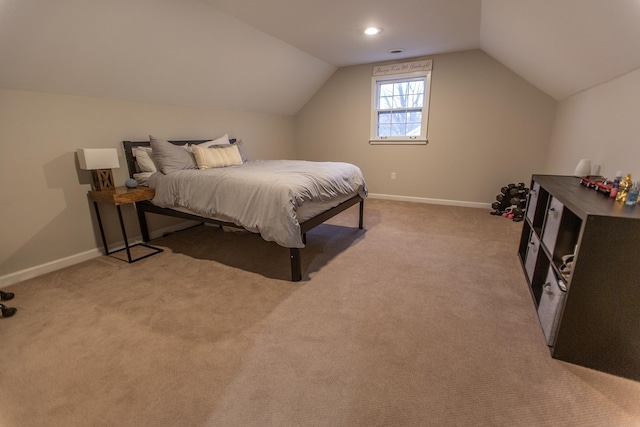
{"x":102,"y":179}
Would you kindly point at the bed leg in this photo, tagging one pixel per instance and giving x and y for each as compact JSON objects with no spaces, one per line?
{"x":142,"y":220}
{"x":296,"y":266}
{"x":361,"y":222}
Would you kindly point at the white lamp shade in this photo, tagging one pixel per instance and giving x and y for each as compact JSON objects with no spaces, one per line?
{"x":98,"y":158}
{"x":583,"y":168}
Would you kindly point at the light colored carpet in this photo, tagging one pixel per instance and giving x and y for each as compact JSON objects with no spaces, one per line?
{"x":422,"y":319}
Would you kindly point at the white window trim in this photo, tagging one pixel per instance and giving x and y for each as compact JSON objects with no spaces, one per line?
{"x":417,"y":140}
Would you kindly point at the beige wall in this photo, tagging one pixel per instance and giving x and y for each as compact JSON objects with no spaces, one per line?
{"x":487,"y":127}
{"x":45,"y":215}
{"x":600,"y":124}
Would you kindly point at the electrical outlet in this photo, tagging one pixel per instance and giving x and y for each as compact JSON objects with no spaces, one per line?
{"x":393,"y":175}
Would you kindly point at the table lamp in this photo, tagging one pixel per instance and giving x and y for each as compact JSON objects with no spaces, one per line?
{"x":99,"y":161}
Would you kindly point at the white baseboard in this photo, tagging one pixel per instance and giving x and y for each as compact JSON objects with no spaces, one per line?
{"x":431,"y":201}
{"x":48,"y":267}
{"x":39,"y":270}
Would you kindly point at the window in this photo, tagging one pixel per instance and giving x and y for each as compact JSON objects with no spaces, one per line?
{"x":400,"y":103}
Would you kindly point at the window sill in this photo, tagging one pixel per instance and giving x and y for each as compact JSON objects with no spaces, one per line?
{"x":398,"y":142}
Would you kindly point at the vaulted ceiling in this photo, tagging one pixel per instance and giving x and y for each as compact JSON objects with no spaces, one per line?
{"x":273,"y":56}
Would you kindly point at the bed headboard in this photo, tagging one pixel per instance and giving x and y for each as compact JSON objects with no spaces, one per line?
{"x":130,"y":145}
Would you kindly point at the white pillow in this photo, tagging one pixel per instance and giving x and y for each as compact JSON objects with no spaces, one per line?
{"x":223,"y":140}
{"x":219,"y":157}
{"x":143,"y":158}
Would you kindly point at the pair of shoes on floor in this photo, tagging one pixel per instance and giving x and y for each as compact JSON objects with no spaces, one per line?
{"x":4,"y":310}
{"x":6,"y":296}
{"x":7,"y":311}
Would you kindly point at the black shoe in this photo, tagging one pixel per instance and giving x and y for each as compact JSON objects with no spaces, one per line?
{"x":7,"y":311}
{"x":6,"y":296}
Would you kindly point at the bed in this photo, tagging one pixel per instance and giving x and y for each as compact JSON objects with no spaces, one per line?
{"x":216,"y":183}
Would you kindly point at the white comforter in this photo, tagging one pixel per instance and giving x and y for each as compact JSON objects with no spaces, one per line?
{"x":260,"y":195}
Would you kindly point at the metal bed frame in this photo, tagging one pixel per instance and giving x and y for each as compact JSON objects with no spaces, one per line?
{"x":294,"y":253}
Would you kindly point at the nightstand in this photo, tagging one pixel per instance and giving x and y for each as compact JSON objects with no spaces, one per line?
{"x":117,"y":197}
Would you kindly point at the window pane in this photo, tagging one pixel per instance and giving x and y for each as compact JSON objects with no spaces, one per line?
{"x":386,"y":89}
{"x":414,"y":116}
{"x":400,"y":88}
{"x":415,"y":101}
{"x":398,"y":129}
{"x":384,"y":130}
{"x":399,"y":102}
{"x":384,"y":117}
{"x":416,"y":87}
{"x":413,"y":129}
{"x":399,"y":117}
{"x":386,"y":103}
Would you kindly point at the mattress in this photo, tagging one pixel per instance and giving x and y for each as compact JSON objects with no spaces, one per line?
{"x":270,"y":197}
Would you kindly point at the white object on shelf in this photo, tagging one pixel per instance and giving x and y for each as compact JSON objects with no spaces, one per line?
{"x":583,"y":168}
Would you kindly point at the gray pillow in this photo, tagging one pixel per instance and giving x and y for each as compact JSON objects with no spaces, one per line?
{"x":169,"y":157}
{"x":241,"y":149}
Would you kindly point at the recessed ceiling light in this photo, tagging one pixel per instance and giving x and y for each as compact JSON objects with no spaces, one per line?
{"x":396,"y":50}
{"x":372,"y":31}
